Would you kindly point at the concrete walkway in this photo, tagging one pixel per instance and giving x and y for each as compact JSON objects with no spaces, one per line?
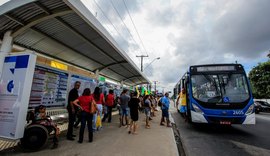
{"x":115,"y":141}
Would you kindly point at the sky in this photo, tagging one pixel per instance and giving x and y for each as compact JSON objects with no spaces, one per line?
{"x":186,"y":32}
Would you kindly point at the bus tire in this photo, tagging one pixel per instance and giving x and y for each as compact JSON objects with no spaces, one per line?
{"x":35,"y":137}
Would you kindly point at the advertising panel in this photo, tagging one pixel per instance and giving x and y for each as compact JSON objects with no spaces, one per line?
{"x":15,"y":85}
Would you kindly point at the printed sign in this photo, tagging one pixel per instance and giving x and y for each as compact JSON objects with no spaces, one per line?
{"x":15,"y":86}
{"x":85,"y":83}
{"x":49,"y":88}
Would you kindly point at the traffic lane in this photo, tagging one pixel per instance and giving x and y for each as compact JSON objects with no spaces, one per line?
{"x":199,"y":139}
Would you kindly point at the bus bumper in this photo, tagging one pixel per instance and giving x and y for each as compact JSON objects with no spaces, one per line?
{"x":198,"y":117}
{"x":250,"y":119}
{"x":246,"y":119}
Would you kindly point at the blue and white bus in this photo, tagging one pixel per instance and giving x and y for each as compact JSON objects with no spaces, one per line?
{"x":218,"y":93}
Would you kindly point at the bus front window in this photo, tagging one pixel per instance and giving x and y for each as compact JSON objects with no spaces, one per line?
{"x":206,"y":88}
{"x":236,"y":88}
{"x":213,"y":88}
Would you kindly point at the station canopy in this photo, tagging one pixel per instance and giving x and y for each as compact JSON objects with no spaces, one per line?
{"x":66,"y":30}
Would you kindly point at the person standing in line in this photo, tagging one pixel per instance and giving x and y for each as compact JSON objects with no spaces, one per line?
{"x":133,"y":105}
{"x":124,"y":99}
{"x":165,"y":109}
{"x":141,"y":109}
{"x":109,"y":102}
{"x":153,"y":105}
{"x":73,"y":95}
{"x":84,"y":102}
{"x":99,"y":98}
{"x":147,"y":108}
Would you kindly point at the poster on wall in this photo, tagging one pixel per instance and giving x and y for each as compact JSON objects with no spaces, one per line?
{"x":85,"y":83}
{"x":49,"y":88}
{"x":15,"y":85}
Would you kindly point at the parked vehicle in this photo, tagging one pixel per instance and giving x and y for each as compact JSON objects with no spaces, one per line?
{"x":265,"y":106}
{"x":258,"y":107}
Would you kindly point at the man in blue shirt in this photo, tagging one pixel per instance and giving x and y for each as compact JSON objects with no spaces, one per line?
{"x":165,"y":109}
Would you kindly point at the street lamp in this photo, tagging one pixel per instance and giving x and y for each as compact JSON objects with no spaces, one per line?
{"x":151,"y":62}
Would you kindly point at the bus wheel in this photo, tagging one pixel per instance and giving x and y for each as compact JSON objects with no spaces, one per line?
{"x":35,"y":137}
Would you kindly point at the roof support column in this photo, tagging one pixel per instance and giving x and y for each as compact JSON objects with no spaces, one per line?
{"x":122,"y":84}
{"x":5,"y":48}
{"x":97,"y":75}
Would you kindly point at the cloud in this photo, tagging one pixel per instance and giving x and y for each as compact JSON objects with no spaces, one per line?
{"x":190,"y":32}
{"x":244,"y":30}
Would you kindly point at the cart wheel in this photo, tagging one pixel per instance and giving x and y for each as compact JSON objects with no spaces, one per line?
{"x":35,"y":137}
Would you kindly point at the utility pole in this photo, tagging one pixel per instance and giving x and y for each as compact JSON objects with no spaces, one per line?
{"x":155,"y":82}
{"x":142,"y":56}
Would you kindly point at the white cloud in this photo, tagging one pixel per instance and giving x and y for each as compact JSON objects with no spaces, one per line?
{"x":187,"y":32}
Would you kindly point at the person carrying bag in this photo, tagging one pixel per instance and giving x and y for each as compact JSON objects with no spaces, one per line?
{"x":88,"y":107}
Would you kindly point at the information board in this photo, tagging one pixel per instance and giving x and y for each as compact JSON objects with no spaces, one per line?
{"x":49,"y":88}
{"x":85,"y":83}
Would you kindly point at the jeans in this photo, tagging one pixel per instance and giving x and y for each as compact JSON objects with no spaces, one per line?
{"x":71,"y":120}
{"x":100,"y":107}
{"x":86,"y":117}
{"x":108,"y":114}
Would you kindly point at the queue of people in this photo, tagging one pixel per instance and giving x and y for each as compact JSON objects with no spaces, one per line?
{"x":89,"y":108}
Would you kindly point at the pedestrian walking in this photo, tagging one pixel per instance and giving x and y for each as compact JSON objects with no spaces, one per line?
{"x":84,"y":102}
{"x":72,"y":96}
{"x":133,"y":105}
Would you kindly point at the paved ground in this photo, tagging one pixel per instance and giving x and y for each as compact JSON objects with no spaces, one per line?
{"x":115,"y":141}
{"x":237,"y":140}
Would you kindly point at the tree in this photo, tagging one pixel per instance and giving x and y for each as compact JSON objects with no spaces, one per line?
{"x":260,"y":80}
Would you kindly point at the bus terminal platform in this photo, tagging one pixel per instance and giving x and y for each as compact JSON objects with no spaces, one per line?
{"x":112,"y":140}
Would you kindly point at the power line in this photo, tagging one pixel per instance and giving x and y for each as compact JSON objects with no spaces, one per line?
{"x":135,"y":27}
{"x":108,"y":18}
{"x":111,"y":21}
{"x":124,"y":23}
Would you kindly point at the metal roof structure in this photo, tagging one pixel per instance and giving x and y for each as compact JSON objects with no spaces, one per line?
{"x":66,"y":30}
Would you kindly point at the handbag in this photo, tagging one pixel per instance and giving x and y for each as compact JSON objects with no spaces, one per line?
{"x":93,"y":107}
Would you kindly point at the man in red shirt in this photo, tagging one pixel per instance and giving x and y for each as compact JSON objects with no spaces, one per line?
{"x":109,"y":102}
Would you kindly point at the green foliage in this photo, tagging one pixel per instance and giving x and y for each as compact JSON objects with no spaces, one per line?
{"x":260,"y":80}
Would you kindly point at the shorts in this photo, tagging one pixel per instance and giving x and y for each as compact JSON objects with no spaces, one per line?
{"x":124,"y":111}
{"x":183,"y":109}
{"x":147,"y":111}
{"x":165,"y":113}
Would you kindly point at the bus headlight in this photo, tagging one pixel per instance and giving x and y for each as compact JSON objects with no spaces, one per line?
{"x":196,"y":108}
{"x":250,"y":109}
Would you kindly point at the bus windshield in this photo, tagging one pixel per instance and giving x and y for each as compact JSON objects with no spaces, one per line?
{"x":220,"y":88}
